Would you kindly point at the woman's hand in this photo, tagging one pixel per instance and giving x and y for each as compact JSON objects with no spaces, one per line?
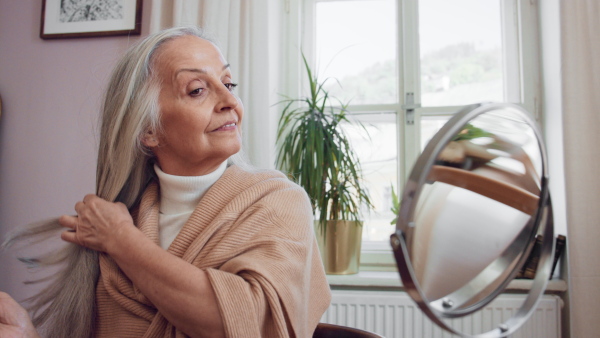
{"x":14,"y":320}
{"x":96,"y":224}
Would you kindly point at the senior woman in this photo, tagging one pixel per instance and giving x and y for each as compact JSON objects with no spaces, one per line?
{"x":181,"y":239}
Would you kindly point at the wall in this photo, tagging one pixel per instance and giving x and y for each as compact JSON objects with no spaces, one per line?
{"x":51,"y":93}
{"x":553,"y":124}
{"x":580,"y":73}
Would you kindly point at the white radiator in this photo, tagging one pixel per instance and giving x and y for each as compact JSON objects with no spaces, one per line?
{"x":394,"y":314}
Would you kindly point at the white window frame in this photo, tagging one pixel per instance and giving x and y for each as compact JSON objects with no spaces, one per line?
{"x":521,"y":68}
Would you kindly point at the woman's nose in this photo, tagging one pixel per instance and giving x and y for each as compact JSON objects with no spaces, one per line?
{"x":226,"y":100}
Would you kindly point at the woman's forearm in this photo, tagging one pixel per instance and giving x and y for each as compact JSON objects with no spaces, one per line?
{"x":180,"y":291}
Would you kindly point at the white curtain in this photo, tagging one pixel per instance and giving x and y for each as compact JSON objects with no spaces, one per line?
{"x":580,"y":52}
{"x":247,"y":31}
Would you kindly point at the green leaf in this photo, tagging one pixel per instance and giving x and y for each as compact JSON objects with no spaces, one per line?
{"x":470,"y":132}
{"x":313,"y":149}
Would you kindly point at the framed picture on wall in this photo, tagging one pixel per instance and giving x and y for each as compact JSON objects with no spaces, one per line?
{"x":85,"y":18}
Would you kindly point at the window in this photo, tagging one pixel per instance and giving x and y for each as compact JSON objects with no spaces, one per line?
{"x":405,"y":66}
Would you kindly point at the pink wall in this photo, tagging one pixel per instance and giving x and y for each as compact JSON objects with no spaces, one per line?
{"x":51,"y":93}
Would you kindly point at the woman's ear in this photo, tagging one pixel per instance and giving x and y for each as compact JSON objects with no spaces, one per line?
{"x":149,"y":139}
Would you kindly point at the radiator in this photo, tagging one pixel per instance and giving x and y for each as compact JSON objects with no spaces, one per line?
{"x":394,"y":314}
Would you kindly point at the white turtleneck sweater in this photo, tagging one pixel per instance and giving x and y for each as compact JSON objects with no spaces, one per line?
{"x":179,"y":196}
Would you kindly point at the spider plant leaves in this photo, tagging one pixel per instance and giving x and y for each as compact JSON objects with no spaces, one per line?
{"x":470,"y":132}
{"x":315,"y":151}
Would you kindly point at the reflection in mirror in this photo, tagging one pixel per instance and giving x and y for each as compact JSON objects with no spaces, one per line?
{"x":471,"y":209}
{"x":494,"y":164}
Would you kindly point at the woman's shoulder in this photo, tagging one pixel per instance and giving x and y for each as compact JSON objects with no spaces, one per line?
{"x":255,"y":176}
{"x":270,"y":195}
{"x":265,"y":184}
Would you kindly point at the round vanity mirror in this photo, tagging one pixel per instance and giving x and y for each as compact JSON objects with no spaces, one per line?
{"x":470,"y":212}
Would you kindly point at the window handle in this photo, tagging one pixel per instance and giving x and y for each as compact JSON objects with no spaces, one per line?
{"x":410,"y":107}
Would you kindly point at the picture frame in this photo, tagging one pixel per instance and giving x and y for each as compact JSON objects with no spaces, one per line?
{"x":88,"y":18}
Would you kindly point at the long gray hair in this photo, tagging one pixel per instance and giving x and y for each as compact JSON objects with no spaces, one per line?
{"x":66,"y":307}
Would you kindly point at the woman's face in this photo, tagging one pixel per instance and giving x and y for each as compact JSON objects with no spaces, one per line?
{"x":200,"y":115}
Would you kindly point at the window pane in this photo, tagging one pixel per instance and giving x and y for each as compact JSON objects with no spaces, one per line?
{"x":356,"y":45}
{"x":461,"y":52}
{"x":431,"y":125}
{"x":377,"y":154}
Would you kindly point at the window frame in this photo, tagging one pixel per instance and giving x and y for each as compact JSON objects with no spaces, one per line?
{"x":521,"y":47}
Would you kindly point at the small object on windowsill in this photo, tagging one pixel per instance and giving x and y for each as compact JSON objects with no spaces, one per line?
{"x":531,"y":264}
{"x":559,"y":247}
{"x":529,"y":268}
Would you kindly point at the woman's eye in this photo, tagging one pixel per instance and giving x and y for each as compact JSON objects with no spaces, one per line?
{"x":196,"y":92}
{"x":231,"y":86}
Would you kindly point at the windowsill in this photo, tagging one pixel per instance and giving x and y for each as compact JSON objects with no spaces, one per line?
{"x":367,"y":279}
{"x":378,"y":280}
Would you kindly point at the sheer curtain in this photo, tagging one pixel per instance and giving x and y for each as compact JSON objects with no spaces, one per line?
{"x":247,"y":33}
{"x":580,"y":54}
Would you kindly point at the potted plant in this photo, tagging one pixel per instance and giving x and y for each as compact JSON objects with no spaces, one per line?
{"x":314,"y":150}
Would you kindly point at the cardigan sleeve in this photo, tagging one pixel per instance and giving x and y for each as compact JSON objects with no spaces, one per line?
{"x":275,"y":286}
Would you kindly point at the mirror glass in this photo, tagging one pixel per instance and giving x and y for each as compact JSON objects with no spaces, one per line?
{"x":471,"y":209}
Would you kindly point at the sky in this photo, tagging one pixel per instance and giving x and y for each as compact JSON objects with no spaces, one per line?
{"x":362,"y":33}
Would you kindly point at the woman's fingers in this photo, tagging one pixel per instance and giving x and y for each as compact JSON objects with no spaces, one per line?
{"x":69,"y":236}
{"x":68,"y":221}
{"x":71,"y":223}
{"x":96,"y":223}
{"x":79,"y":207}
{"x":89,"y":202}
{"x":90,"y":197}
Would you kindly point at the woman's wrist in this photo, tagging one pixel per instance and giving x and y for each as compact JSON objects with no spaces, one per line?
{"x":122,"y":241}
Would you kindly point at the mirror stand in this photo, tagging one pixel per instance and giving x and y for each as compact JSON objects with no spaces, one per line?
{"x":470,"y":213}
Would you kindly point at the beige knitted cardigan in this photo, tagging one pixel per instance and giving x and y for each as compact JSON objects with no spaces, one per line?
{"x":252,"y":233}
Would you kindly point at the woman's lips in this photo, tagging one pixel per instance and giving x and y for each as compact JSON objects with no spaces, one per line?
{"x":227,"y":126}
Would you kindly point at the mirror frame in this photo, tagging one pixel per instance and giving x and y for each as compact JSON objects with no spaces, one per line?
{"x":540,"y":222}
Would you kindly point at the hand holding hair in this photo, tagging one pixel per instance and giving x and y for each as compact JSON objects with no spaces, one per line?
{"x":97,"y":222}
